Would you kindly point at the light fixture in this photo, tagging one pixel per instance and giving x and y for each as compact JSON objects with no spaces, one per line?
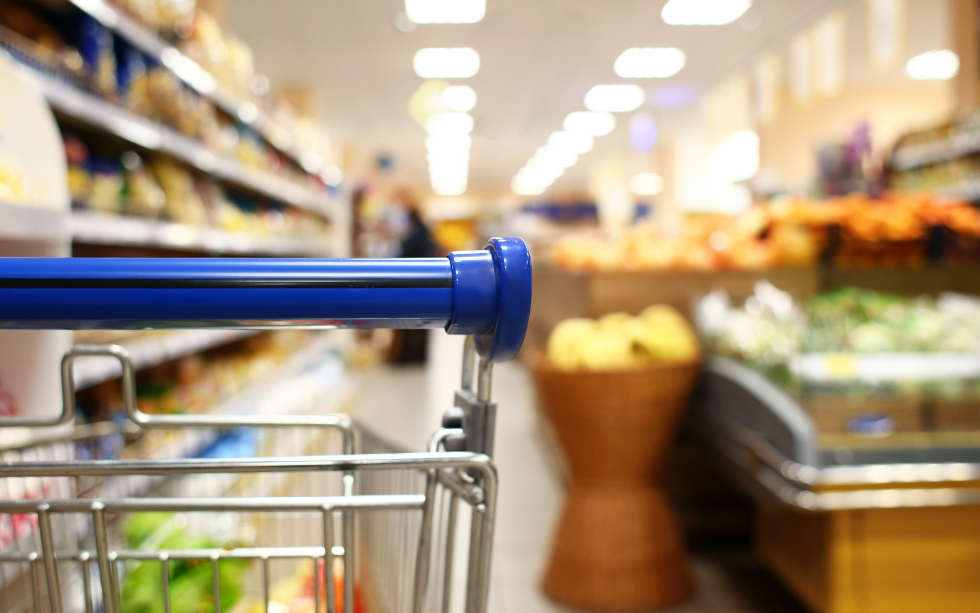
{"x":934,"y":65}
{"x":646,"y":184}
{"x":591,"y":124}
{"x":549,"y":155}
{"x":703,"y":12}
{"x":449,"y":123}
{"x":445,"y":11}
{"x":650,"y":62}
{"x":448,"y":141}
{"x":614,"y":98}
{"x":449,"y":189}
{"x":446,"y":62}
{"x":525,"y":186}
{"x":543,"y":170}
{"x":572,"y":141}
{"x":461,"y":98}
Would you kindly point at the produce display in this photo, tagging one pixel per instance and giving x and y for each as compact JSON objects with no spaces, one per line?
{"x":852,"y":232}
{"x":771,"y":329}
{"x":79,"y":49}
{"x":860,"y":362}
{"x":619,"y":341}
{"x":159,"y":188}
{"x":296,"y":594}
{"x":191,"y":581}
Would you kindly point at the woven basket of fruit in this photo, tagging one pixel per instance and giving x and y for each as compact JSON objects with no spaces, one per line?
{"x":614,"y":391}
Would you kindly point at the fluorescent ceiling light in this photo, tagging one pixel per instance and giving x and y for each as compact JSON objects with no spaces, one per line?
{"x":703,"y":12}
{"x":449,"y":189}
{"x":572,"y":141}
{"x":549,"y":155}
{"x":592,"y":124}
{"x":449,"y":123}
{"x":439,"y":142}
{"x":615,"y":98}
{"x":646,"y":184}
{"x":650,"y":62}
{"x":445,"y":11}
{"x":460,"y":98}
{"x":525,"y":187}
{"x":934,"y":65}
{"x":542,"y":171}
{"x":446,"y":62}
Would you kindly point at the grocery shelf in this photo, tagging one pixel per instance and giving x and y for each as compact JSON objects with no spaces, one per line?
{"x":72,"y":102}
{"x":32,"y":223}
{"x":104,"y":229}
{"x":152,"y":348}
{"x":191,"y":73}
{"x":956,"y":146}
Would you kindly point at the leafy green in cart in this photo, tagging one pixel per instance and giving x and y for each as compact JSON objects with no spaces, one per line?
{"x":191,"y":581}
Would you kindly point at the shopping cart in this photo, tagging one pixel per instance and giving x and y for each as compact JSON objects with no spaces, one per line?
{"x":371,"y":528}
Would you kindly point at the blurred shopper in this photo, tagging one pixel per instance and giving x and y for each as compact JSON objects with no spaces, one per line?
{"x":410,"y":346}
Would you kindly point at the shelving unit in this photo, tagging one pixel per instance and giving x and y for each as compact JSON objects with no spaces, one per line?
{"x":104,"y":229}
{"x":196,"y":77}
{"x":153,"y":348}
{"x":77,"y":105}
{"x":956,"y":146}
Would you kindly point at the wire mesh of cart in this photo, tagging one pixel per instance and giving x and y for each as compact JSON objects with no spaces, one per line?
{"x":318,"y":514}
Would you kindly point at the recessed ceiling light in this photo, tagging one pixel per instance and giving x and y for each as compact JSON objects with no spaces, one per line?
{"x":445,"y":11}
{"x":449,"y":123}
{"x":646,"y":184}
{"x":548,"y":155}
{"x":448,"y":142}
{"x":592,"y":124}
{"x":446,"y":62}
{"x":934,"y":65}
{"x":571,"y":141}
{"x":650,"y":62}
{"x":543,"y":170}
{"x":615,"y":98}
{"x":460,"y":98}
{"x":449,"y":189}
{"x":703,"y":12}
{"x":527,"y":186}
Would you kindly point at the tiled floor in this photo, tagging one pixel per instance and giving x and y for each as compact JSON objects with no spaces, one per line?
{"x":404,"y":405}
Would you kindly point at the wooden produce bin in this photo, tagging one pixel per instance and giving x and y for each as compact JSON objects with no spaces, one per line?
{"x":901,"y":560}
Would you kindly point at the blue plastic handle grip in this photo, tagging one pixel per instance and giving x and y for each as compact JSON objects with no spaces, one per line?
{"x":484,"y":293}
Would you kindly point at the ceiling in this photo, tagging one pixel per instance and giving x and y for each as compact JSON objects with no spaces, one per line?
{"x":538,"y":59}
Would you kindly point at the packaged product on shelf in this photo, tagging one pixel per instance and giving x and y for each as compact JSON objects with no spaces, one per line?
{"x":131,"y":77}
{"x":250,"y":149}
{"x":106,"y":193}
{"x":143,"y":194}
{"x":33,"y":38}
{"x":176,"y":16}
{"x":96,"y":46}
{"x":79,"y":174}
{"x":145,"y":12}
{"x":221,"y":211}
{"x":183,"y":204}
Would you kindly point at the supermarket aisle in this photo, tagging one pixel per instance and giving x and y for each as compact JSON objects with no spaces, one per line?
{"x":404,"y":405}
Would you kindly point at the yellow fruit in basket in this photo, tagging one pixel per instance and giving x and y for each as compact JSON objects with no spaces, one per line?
{"x":608,"y":350}
{"x":662,"y":314}
{"x":660,"y":343}
{"x":566,"y":342}
{"x":665,"y":336}
{"x":615,"y":321}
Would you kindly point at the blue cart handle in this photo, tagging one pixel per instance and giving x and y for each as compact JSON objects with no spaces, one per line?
{"x":486,"y":294}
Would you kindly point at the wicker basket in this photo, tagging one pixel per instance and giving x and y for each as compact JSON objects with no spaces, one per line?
{"x":618,"y":546}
